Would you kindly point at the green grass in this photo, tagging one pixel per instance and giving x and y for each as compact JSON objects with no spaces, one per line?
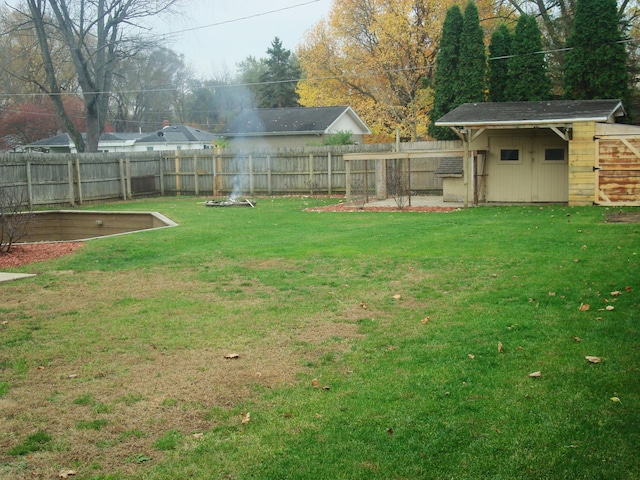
{"x":33,"y":443}
{"x":417,"y":390}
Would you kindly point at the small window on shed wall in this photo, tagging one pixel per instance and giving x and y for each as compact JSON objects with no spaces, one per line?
{"x":554,"y":154}
{"x":149,"y":149}
{"x":509,"y":155}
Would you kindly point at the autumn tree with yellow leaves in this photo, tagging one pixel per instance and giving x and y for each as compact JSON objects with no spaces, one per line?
{"x":373,"y":55}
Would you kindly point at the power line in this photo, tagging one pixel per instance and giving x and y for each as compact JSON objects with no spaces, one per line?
{"x":239,"y":19}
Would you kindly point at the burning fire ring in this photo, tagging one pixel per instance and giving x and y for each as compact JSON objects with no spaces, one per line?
{"x":231,"y":202}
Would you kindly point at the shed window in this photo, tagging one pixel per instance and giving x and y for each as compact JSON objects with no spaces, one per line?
{"x":510,"y":155}
{"x":554,"y":154}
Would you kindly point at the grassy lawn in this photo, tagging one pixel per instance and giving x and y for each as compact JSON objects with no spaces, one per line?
{"x":361,"y":345}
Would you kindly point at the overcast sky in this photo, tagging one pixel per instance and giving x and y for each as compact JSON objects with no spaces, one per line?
{"x":234,"y":29}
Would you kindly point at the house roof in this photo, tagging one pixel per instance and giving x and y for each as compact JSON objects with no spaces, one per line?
{"x":170,"y":134}
{"x":532,"y":113}
{"x":290,"y":121}
{"x":178,"y":134}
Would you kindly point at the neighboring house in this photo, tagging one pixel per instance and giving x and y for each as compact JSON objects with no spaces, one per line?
{"x":171,"y":137}
{"x":551,"y":151}
{"x":292,"y":127}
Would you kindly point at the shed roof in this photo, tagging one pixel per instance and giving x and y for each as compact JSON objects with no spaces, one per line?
{"x":449,"y":167}
{"x":532,"y":113}
{"x":290,"y":121}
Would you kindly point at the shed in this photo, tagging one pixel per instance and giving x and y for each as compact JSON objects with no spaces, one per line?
{"x":564,"y":151}
{"x":293,"y":127}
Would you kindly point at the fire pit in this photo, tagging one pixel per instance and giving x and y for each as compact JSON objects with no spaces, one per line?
{"x":231,"y":202}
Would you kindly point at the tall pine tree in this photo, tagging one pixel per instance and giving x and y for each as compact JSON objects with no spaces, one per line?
{"x":473,"y":59}
{"x":527,"y":67}
{"x":499,"y":53}
{"x":280,"y":78}
{"x":596,"y":64}
{"x":445,"y":76}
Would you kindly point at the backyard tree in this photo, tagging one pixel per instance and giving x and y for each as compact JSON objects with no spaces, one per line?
{"x":472,"y":62}
{"x":527,"y":79}
{"x":498,"y":71}
{"x":445,"y":77}
{"x":96,"y":34}
{"x":149,"y":88}
{"x":373,"y":55}
{"x":596,"y":64}
{"x":279,"y":80}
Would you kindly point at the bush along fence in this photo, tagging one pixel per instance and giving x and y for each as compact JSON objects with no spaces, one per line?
{"x":75,"y":179}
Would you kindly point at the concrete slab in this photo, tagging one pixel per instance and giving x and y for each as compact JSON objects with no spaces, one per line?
{"x":417,"y":201}
{"x":5,"y":277}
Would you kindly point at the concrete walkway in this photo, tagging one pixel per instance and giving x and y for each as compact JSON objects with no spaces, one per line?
{"x":5,"y":277}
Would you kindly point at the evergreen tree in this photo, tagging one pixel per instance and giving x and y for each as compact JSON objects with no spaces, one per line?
{"x":527,"y":67}
{"x":279,"y":80}
{"x":499,"y":53}
{"x":596,"y":65}
{"x":445,"y":76}
{"x":473,"y":59}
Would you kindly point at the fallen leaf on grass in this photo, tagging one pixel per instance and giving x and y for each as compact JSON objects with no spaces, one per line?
{"x":40,"y":367}
{"x":198,"y":435}
{"x":584,"y":307}
{"x":232,"y":356}
{"x":245,"y":418}
{"x":577,"y":339}
{"x":67,"y":473}
{"x":5,"y":322}
{"x":315,"y":383}
{"x":616,"y":293}
{"x":593,"y":359}
{"x":363,"y":305}
{"x":425,"y":320}
{"x":584,"y":247}
{"x":609,"y":307}
{"x":615,"y":399}
{"x":552,"y":294}
{"x":471,"y":356}
{"x":535,"y":374}
{"x":389,"y":431}
{"x":397,"y":296}
{"x":627,"y":289}
{"x":500,"y":347}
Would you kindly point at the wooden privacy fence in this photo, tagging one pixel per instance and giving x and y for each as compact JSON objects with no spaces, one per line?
{"x":63,"y":179}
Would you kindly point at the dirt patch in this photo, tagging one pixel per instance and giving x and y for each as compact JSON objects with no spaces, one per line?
{"x":25,"y":254}
{"x":623,"y":217}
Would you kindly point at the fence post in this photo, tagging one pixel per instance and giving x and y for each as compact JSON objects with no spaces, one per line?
{"x":195,"y":174}
{"x":311,"y":173}
{"x":176,"y":164}
{"x":269,"y":187}
{"x":329,"y":173}
{"x":251,"y":174}
{"x":29,"y":186}
{"x":127,"y":164}
{"x":161,"y":173}
{"x":79,"y":180}
{"x":72,"y":196}
{"x":213,"y":181}
{"x":347,"y":179}
{"x":123,"y":185}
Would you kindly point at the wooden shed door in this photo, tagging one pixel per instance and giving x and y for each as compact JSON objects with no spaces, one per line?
{"x":618,"y":171}
{"x":527,"y":169}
